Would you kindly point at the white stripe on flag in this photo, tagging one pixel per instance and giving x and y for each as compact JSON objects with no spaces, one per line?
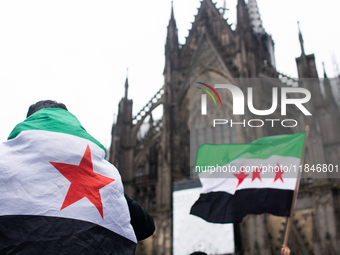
{"x":227,"y":181}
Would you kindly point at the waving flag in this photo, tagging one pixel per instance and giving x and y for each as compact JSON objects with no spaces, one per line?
{"x":254,"y":178}
{"x":57,"y":193}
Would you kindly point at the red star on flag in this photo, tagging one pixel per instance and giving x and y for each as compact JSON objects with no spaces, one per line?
{"x":278,"y":173}
{"x":241,"y":176}
{"x":256,"y":174}
{"x":84,"y":181}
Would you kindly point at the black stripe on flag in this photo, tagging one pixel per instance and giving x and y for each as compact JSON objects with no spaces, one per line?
{"x":22,"y":234}
{"x":222,"y":207}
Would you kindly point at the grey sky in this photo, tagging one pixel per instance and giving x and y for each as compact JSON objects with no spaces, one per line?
{"x":77,"y":51}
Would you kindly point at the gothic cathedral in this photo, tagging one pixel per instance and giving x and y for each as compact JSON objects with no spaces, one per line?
{"x":151,"y":162}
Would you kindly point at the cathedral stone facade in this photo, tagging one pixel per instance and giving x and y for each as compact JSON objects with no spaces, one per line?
{"x":152,"y":155}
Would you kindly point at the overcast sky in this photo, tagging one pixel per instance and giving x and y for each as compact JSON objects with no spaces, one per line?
{"x":77,"y":52}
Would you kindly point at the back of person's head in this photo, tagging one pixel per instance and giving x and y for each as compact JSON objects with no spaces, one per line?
{"x":198,"y":253}
{"x":44,"y":104}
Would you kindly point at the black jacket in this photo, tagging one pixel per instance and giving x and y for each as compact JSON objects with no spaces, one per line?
{"x":141,"y":221}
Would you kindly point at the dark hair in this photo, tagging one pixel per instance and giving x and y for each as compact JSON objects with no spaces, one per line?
{"x":44,"y":104}
{"x":198,"y":253}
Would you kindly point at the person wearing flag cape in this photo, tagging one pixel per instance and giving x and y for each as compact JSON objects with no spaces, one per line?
{"x":58,"y":194}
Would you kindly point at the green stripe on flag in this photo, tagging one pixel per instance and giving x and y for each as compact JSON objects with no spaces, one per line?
{"x":263,"y":148}
{"x":54,"y":120}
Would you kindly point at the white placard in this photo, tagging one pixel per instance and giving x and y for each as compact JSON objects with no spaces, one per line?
{"x":192,"y":233}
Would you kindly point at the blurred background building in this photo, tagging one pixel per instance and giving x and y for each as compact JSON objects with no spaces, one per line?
{"x":153,"y":155}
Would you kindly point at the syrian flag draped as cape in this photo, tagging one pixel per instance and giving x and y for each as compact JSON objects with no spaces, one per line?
{"x":58,"y":195}
{"x":253,"y":178}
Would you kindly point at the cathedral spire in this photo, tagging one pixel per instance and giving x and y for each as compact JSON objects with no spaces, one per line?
{"x":324,"y":70}
{"x":172,"y":27}
{"x":241,"y":6}
{"x":126,"y":84}
{"x":150,"y":121}
{"x":327,"y":85}
{"x":172,"y":21}
{"x":172,"y":17}
{"x":306,"y":63}
{"x":255,"y":17}
{"x":224,"y":8}
{"x":301,"y":41}
{"x":171,"y":47}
